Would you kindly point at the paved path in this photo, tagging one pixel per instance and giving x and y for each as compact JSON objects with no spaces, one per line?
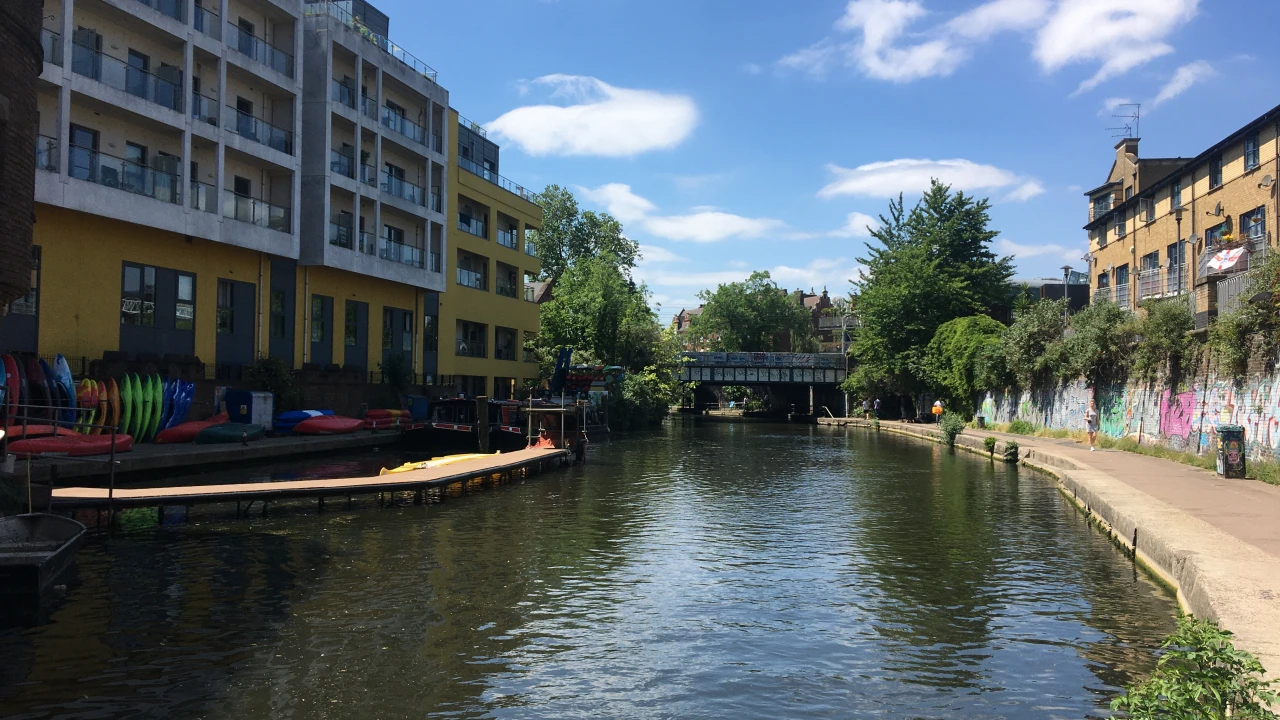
{"x":1246,"y":509}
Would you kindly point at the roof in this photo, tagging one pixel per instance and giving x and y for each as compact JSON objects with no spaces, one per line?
{"x":542,"y":290}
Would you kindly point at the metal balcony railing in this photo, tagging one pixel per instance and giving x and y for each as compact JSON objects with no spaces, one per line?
{"x":468,"y":224}
{"x":341,"y":235}
{"x":369,"y":175}
{"x":404,"y":126}
{"x":342,"y":164}
{"x":343,"y":93}
{"x":433,"y":201}
{"x":204,"y":109}
{"x":506,"y":289}
{"x":120,"y":75}
{"x":257,"y":212}
{"x":1150,"y":283}
{"x":175,"y":9}
{"x":403,"y":189}
{"x":203,"y":197}
{"x":114,"y":172}
{"x":1255,"y":247}
{"x":389,"y":249}
{"x":208,"y":22}
{"x":46,"y":153}
{"x":472,"y":279}
{"x":529,"y":248}
{"x":1103,"y":295}
{"x":345,"y":17}
{"x":259,"y":131}
{"x":466,"y":348}
{"x":474,"y":127}
{"x":51,"y":45}
{"x":260,"y":50}
{"x":507,"y":238}
{"x":368,"y":107}
{"x":504,"y":352}
{"x":493,"y":177}
{"x":1122,"y":295}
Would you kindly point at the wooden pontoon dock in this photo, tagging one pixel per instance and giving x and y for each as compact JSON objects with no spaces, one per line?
{"x":520,"y":463}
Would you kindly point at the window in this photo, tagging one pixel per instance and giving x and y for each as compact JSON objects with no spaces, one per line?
{"x":1121,"y":229}
{"x":406,"y":331}
{"x":1128,"y":192}
{"x":1104,"y":280}
{"x":471,"y":339}
{"x":226,"y":307}
{"x":1150,"y":261}
{"x":1175,"y":195}
{"x":1149,"y":209}
{"x":278,"y":327}
{"x":138,"y":296}
{"x":241,"y":186}
{"x":1215,"y":172}
{"x":184,"y":310}
{"x":317,"y":319}
{"x":1214,"y":235}
{"x":1251,"y":159}
{"x":1101,"y":205}
{"x":504,"y":344}
{"x":393,"y":234}
{"x":350,"y":335}
{"x":83,"y":153}
{"x":1176,"y":254}
{"x":1253,"y":224}
{"x":1122,"y":275}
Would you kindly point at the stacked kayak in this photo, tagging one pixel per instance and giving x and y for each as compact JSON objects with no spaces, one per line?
{"x":379,"y":419}
{"x":328,"y":425}
{"x":432,"y":463}
{"x":229,"y":433}
{"x":186,"y":432}
{"x":35,"y":431}
{"x":286,"y":421}
{"x":73,"y":445}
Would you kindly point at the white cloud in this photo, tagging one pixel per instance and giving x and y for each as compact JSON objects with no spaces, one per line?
{"x":998,"y":16}
{"x":1183,"y":78}
{"x":907,"y":175}
{"x":618,"y":200}
{"x":607,"y":121}
{"x":701,"y":224}
{"x":831,"y":273}
{"x":1119,"y":36}
{"x":856,"y":225}
{"x":653,"y":254}
{"x":1110,"y":105}
{"x":752,"y":69}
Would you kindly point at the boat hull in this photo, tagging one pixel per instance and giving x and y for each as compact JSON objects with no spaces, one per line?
{"x":35,"y":550}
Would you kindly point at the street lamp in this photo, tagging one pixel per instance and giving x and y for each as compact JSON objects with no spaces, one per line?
{"x":1066,"y":297}
{"x":1182,"y":252}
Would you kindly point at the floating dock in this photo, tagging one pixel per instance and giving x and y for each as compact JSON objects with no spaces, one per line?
{"x":520,"y":463}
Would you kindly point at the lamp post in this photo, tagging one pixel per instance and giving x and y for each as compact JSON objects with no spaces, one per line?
{"x":1182,"y":252}
{"x":1066,"y":296}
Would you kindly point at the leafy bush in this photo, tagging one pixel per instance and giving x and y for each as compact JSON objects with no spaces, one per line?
{"x":875,"y":423}
{"x":951,"y":359}
{"x":1033,"y":349}
{"x":275,"y":376}
{"x":1200,"y":676}
{"x":1166,"y":348}
{"x":951,"y":424}
{"x":1022,"y":427}
{"x":1099,"y":344}
{"x":990,"y":444}
{"x":1229,"y":343}
{"x":397,"y":373}
{"x":1011,"y":451}
{"x":643,"y":401}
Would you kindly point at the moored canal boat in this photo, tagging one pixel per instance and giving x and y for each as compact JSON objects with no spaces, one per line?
{"x":35,"y":549}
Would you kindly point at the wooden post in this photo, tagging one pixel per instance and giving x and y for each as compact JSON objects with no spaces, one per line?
{"x":482,"y":422}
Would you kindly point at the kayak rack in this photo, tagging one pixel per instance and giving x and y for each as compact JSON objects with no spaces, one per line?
{"x":25,"y":420}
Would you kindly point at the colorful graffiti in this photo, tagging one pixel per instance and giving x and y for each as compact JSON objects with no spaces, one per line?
{"x":1184,"y":420}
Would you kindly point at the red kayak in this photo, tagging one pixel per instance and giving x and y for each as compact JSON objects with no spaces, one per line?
{"x":35,"y":431}
{"x":71,"y":445}
{"x":186,"y":432}
{"x":384,"y":414}
{"x":328,"y":425}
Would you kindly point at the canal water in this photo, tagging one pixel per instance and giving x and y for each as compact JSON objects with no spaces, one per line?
{"x":743,"y":571}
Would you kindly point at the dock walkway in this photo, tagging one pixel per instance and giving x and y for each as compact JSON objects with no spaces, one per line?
{"x":522,"y":461}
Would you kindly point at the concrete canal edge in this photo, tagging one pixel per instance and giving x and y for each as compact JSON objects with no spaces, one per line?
{"x":1216,"y":576}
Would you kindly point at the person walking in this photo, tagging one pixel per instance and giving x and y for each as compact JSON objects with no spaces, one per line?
{"x":1091,"y":423}
{"x":866,"y":408}
{"x":876,"y":408}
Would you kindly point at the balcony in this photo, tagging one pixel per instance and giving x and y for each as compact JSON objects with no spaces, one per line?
{"x":368,"y":107}
{"x":433,"y":201}
{"x":399,"y":252}
{"x":369,"y":175}
{"x":114,"y":172}
{"x":341,"y":235}
{"x":342,"y":93}
{"x":208,"y":22}
{"x":345,"y":17}
{"x":437,"y":143}
{"x":364,"y":242}
{"x":1103,"y":294}
{"x":495,"y":178}
{"x":529,"y":355}
{"x":507,"y":238}
{"x":173,"y":8}
{"x":1163,"y":282}
{"x":1122,"y":295}
{"x":504,"y":353}
{"x":433,"y":262}
{"x":1255,"y":250}
{"x":341,"y":164}
{"x":472,"y":279}
{"x":474,"y":349}
{"x":203,"y":197}
{"x":529,"y":248}
{"x":505,"y":289}
{"x":204,"y":109}
{"x":122,"y":76}
{"x":51,"y":45}
{"x":405,"y":127}
{"x":530,"y":293}
{"x":46,"y":153}
{"x":471,"y":225}
{"x":260,"y":50}
{"x":403,"y":189}
{"x":257,"y":212}
{"x":259,"y":131}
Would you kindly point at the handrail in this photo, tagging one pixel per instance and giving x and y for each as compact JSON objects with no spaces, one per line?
{"x":343,"y":93}
{"x":208,"y":22}
{"x":204,"y":108}
{"x":172,"y":8}
{"x":202,"y":196}
{"x":51,"y":44}
{"x":403,"y":189}
{"x":47,"y":153}
{"x":116,"y":73}
{"x":122,"y":174}
{"x":324,"y":7}
{"x":493,"y":177}
{"x":248,"y":126}
{"x":255,"y":211}
{"x":394,"y":251}
{"x":474,"y":127}
{"x":264,"y":52}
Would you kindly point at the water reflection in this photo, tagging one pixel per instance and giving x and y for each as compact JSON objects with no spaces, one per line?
{"x":744,"y":571}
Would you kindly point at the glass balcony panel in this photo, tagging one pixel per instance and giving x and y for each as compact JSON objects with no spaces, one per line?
{"x":204,"y":109}
{"x":208,"y":22}
{"x":399,"y":252}
{"x":471,"y":349}
{"x":259,"y":131}
{"x":340,"y":235}
{"x":400,"y":124}
{"x":345,"y":94}
{"x":366,"y":242}
{"x":114,"y":172}
{"x":173,"y":8}
{"x":477,"y":169}
{"x":202,"y":196}
{"x":507,"y":238}
{"x":472,"y":279}
{"x":344,"y":16}
{"x":46,"y":153}
{"x":433,"y":262}
{"x":260,"y":50}
{"x":529,"y":248}
{"x":402,"y":188}
{"x":369,"y":175}
{"x":505,"y":289}
{"x":51,"y":44}
{"x":122,"y":76}
{"x":434,"y":202}
{"x":368,"y":107}
{"x":341,"y":164}
{"x":472,"y":225}
{"x":257,"y":212}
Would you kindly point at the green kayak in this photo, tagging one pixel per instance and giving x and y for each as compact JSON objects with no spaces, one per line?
{"x":229,"y":433}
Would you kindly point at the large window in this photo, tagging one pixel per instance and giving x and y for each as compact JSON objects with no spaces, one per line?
{"x":138,"y":296}
{"x":1251,"y":159}
{"x":504,"y":344}
{"x":1121,"y":228}
{"x":226,"y":307}
{"x":1175,"y":195}
{"x":184,"y":309}
{"x":1150,"y":261}
{"x":1213,"y":236}
{"x":471,"y":339}
{"x":1253,"y":224}
{"x":1215,"y":172}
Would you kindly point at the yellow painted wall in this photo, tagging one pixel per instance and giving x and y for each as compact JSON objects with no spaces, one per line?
{"x":342,"y":286}
{"x":486,"y":307}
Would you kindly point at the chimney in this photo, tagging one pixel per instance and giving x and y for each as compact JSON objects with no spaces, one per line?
{"x":1127,"y":146}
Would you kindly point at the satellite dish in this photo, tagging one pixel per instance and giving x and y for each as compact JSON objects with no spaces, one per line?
{"x":1217,"y":209}
{"x":1266,"y":181}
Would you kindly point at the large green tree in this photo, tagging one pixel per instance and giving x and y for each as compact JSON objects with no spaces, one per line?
{"x":569,"y":234}
{"x":933,"y":264}
{"x":602,"y":314}
{"x":953,"y":360}
{"x":754,"y":315}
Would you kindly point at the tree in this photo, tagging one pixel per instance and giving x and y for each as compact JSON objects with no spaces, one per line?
{"x":1167,"y":348}
{"x":1033,"y":347}
{"x":934,"y":265}
{"x":952,"y":358}
{"x":569,"y":235}
{"x":1099,"y":345}
{"x":754,"y":315}
{"x":601,"y":313}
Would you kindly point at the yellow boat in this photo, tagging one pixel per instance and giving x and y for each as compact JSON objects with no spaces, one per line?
{"x":433,"y":463}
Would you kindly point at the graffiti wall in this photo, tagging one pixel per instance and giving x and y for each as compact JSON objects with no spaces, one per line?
{"x":1185,"y":419}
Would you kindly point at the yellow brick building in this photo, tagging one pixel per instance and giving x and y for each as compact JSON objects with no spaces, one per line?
{"x":1164,"y":227}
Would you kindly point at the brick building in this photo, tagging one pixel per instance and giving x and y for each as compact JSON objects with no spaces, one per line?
{"x":20,"y":55}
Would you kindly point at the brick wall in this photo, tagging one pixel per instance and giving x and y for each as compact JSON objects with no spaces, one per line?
{"x":21,"y":59}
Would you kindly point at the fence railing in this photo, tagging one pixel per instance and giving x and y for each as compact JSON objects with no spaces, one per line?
{"x":1231,"y":292}
{"x":203,"y":196}
{"x":1122,"y":295}
{"x":1103,"y":295}
{"x":120,"y":75}
{"x":175,"y":9}
{"x":403,"y":189}
{"x":51,"y":45}
{"x":472,"y":279}
{"x":507,"y":238}
{"x":259,"y":131}
{"x":404,"y":126}
{"x":323,"y":7}
{"x":204,"y":108}
{"x":114,"y":172}
{"x":343,"y":93}
{"x":257,"y":212}
{"x":493,"y":177}
{"x":1255,"y":250}
{"x":342,"y":164}
{"x":46,"y":153}
{"x":399,"y":252}
{"x":260,"y":50}
{"x":208,"y":22}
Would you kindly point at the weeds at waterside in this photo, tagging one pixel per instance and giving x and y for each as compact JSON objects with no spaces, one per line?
{"x":1267,"y":472}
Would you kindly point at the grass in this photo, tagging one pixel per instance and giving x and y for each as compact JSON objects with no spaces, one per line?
{"x":1267,"y":472}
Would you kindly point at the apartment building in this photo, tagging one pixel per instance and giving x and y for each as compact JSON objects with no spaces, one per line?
{"x":374,"y":178}
{"x":1185,"y":227}
{"x":167,"y":177}
{"x":488,"y":316}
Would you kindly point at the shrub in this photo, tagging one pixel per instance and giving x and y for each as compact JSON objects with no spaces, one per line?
{"x":990,"y":444}
{"x":275,"y":376}
{"x":397,"y":373}
{"x":1229,"y":343}
{"x":951,"y":358}
{"x":1022,"y":427}
{"x":1027,"y":343}
{"x":951,"y":424}
{"x":1200,"y":676}
{"x":1011,"y":451}
{"x":875,"y":423}
{"x":1166,"y":347}
{"x":1099,"y":345}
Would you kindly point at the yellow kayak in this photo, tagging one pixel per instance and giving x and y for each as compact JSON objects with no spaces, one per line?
{"x":433,"y":463}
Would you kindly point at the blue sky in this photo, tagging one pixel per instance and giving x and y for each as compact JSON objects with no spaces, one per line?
{"x":738,"y":135}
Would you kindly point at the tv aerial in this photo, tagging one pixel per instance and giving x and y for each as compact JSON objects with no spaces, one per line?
{"x":1132,"y":114}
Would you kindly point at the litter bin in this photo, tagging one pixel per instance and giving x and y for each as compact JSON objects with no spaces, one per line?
{"x":418,"y":407}
{"x":1231,"y":451}
{"x":250,"y":406}
{"x":982,"y":422}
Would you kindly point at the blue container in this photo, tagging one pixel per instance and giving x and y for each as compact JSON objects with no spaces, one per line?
{"x":417,"y":405}
{"x":249,"y":406}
